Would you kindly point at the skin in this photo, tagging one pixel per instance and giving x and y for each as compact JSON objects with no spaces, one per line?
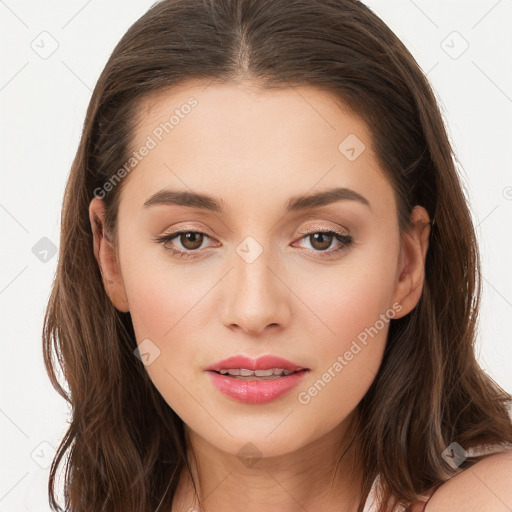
{"x":486,"y":487}
{"x":253,"y":150}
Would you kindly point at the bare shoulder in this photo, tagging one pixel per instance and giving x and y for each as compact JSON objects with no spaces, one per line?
{"x":484,"y":487}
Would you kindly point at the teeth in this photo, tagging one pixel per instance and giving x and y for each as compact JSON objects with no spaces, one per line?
{"x":264,"y":373}
{"x":257,"y":373}
{"x":231,"y":372}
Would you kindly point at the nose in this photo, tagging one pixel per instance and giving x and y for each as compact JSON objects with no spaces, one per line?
{"x":258,"y":297}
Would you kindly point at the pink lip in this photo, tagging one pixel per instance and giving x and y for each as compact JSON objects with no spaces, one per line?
{"x":256,"y":391}
{"x":262,"y":363}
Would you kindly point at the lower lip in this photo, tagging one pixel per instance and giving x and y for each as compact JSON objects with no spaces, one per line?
{"x":256,"y":391}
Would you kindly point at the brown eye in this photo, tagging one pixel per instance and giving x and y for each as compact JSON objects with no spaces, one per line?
{"x":326,"y":243}
{"x":183,"y":244}
{"x":191,"y":240}
{"x":321,"y":241}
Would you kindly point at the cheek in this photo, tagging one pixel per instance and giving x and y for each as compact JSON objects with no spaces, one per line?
{"x":347,"y":360}
{"x":355,"y":310}
{"x":161,"y":293}
{"x":167,"y":307}
{"x":350,"y":298}
{"x":164,"y":307}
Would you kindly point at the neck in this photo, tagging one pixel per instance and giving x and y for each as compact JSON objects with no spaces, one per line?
{"x":313,"y":477}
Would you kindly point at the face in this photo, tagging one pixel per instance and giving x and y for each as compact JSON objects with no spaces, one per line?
{"x":254,"y":270}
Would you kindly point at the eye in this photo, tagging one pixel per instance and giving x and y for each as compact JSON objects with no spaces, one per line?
{"x":320,"y":241}
{"x":190,"y":241}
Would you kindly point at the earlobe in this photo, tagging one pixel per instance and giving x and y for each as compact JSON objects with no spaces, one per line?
{"x":105,"y":255}
{"x":411,"y":272}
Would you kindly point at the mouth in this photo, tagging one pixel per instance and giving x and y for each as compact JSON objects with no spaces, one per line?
{"x":256,"y":381}
{"x":244,"y":374}
{"x":264,"y":366}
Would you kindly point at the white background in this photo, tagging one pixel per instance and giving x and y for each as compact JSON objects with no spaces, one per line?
{"x":43,"y":103}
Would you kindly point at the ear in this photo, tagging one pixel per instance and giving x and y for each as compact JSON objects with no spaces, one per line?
{"x":106,"y":256}
{"x":411,"y":270}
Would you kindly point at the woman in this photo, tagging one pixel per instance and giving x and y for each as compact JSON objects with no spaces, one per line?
{"x":268,"y":279}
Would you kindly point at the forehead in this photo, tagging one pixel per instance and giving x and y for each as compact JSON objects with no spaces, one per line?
{"x":289,"y":111}
{"x":232,"y":137}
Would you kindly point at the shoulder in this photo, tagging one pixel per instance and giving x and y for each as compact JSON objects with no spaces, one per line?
{"x":484,"y":487}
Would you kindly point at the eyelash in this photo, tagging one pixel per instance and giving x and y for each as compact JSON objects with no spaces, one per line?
{"x":344,"y":240}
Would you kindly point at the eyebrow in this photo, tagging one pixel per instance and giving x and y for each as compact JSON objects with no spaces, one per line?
{"x":294,"y":204}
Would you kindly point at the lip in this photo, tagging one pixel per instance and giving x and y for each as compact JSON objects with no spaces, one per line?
{"x":257,"y":391}
{"x":262,"y":363}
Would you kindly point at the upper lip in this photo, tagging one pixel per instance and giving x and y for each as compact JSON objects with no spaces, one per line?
{"x":261,"y":363}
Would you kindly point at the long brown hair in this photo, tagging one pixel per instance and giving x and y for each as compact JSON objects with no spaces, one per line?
{"x":125,"y":446}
